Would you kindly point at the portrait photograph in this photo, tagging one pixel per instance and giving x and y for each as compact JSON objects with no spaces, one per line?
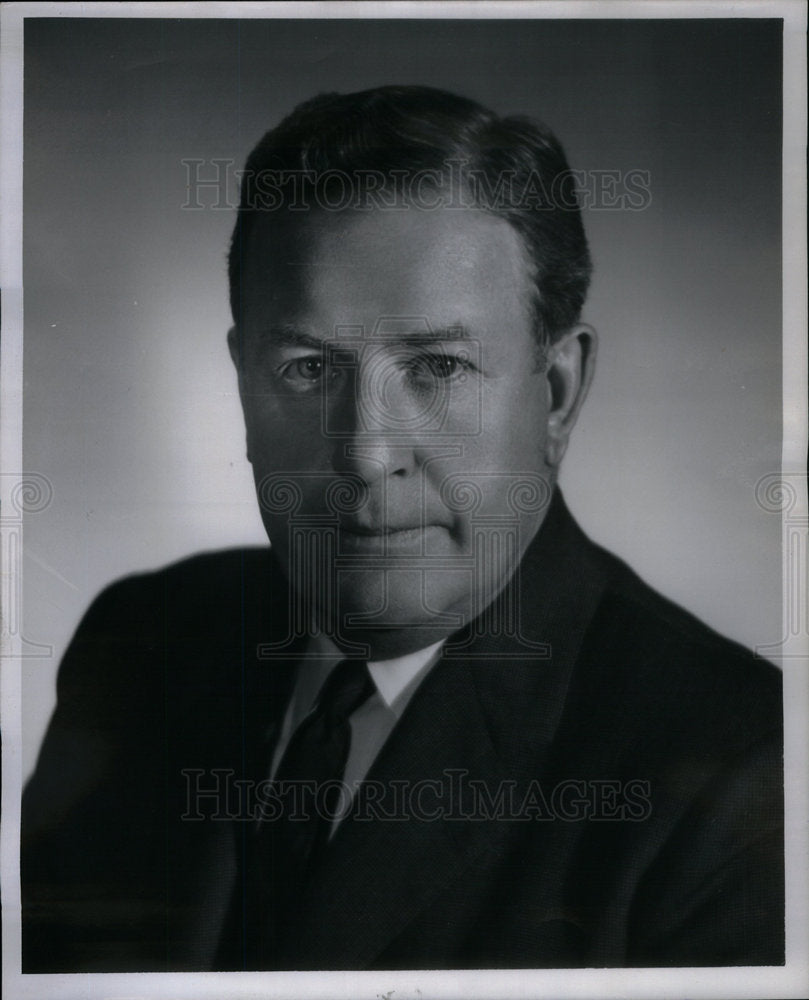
{"x":404,"y":516}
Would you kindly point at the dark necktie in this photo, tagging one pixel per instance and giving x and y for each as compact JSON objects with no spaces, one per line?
{"x":308,"y":791}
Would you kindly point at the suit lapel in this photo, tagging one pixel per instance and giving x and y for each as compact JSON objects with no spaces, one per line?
{"x":486,"y":713}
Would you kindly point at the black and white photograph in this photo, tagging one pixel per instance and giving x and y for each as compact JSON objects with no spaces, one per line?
{"x":404,"y":519}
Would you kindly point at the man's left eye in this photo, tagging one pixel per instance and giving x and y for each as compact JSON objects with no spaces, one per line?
{"x":434,"y":365}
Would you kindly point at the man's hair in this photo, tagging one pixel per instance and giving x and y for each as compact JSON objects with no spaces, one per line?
{"x":388,"y":146}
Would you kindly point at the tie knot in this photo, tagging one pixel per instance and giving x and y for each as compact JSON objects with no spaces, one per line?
{"x":347,"y":687}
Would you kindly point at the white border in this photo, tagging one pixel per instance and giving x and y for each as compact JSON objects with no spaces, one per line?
{"x":791,"y":981}
{"x":11,"y":462}
{"x":444,"y":9}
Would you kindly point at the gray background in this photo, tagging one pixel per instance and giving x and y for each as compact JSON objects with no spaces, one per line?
{"x":130,"y":402}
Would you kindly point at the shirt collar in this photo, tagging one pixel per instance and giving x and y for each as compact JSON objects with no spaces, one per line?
{"x":395,"y":679}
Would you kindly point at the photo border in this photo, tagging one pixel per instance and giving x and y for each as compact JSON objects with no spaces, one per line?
{"x":793,"y":979}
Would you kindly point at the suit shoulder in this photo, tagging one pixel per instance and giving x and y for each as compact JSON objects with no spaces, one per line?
{"x":167,"y":631}
{"x":670,"y":665}
{"x":192,"y":585}
{"x":201,"y":567}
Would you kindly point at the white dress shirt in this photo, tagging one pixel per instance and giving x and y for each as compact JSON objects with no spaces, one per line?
{"x":395,"y":680}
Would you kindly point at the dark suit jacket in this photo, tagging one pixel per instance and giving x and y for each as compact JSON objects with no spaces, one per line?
{"x":617,"y":798}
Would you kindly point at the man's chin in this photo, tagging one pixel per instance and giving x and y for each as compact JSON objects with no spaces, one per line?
{"x":392,"y":613}
{"x":388,"y":643}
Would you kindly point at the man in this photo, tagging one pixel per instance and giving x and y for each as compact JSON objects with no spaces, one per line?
{"x":434,"y":726}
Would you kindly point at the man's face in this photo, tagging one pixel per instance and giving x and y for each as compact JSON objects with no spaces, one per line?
{"x":396,"y":416}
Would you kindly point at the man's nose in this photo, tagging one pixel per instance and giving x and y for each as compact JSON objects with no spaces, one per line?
{"x":372,"y":424}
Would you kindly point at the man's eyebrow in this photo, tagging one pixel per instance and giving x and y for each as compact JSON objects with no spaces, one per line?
{"x":290,"y":335}
{"x":455,"y":332}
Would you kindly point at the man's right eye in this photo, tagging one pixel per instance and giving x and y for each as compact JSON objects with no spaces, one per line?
{"x":309,"y":369}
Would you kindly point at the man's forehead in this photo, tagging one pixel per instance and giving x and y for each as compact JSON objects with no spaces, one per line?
{"x":461,"y":269}
{"x":317,"y":240}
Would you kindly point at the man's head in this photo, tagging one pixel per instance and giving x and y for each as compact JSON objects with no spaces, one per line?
{"x":407,"y":273}
{"x":394,"y":146}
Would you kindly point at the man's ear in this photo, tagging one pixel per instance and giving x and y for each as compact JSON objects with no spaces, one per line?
{"x":236,"y":352}
{"x":234,"y":347}
{"x":570,"y":370}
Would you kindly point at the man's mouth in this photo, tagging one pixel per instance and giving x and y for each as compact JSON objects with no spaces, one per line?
{"x":388,"y":539}
{"x":378,"y":531}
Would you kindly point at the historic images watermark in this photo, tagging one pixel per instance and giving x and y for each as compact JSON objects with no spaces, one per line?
{"x":214,"y":184}
{"x":218,"y":794}
{"x":418,"y":389}
{"x":780,"y":493}
{"x":320,"y":554}
{"x":25,"y":494}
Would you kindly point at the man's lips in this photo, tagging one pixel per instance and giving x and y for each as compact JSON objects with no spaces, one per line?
{"x":372,"y":531}
{"x":390,"y":538}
